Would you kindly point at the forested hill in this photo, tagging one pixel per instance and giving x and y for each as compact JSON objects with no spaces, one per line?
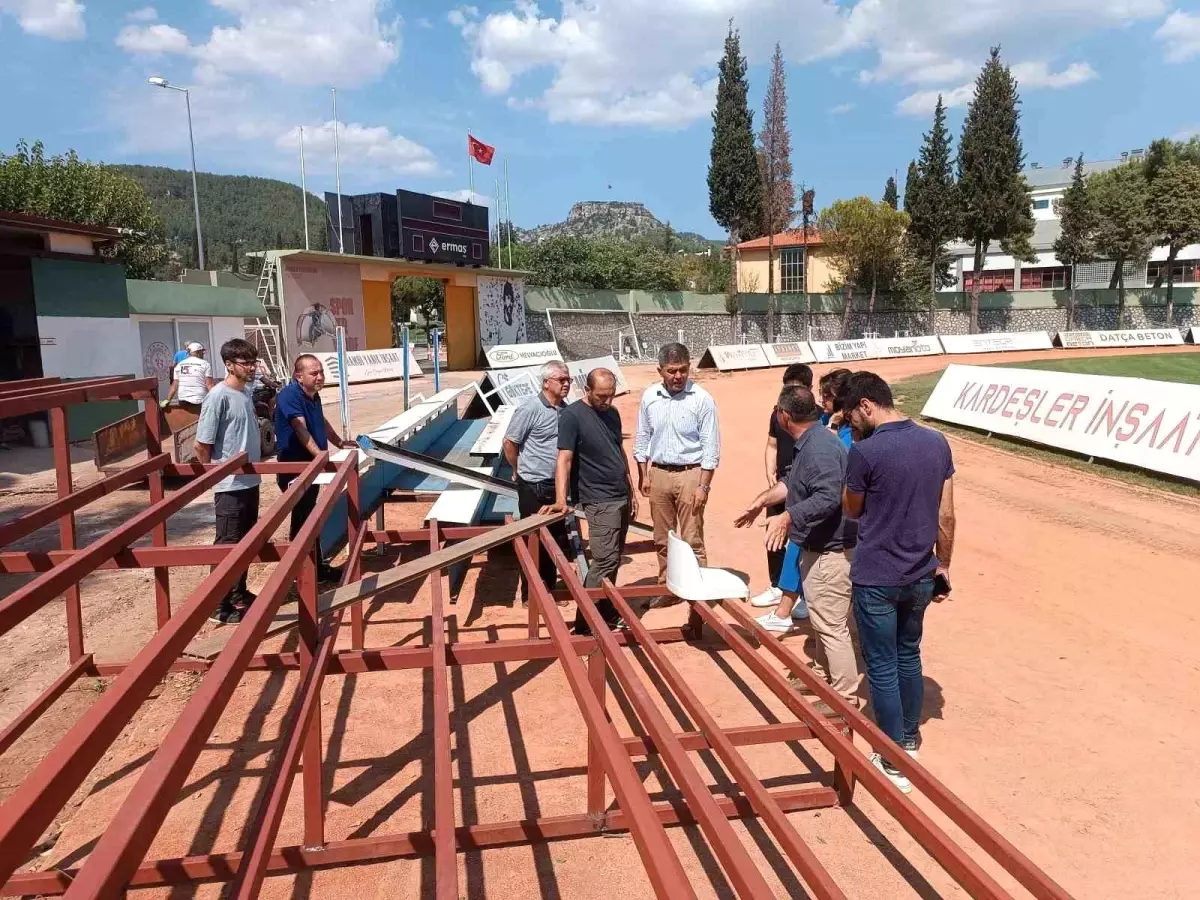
{"x":235,"y":211}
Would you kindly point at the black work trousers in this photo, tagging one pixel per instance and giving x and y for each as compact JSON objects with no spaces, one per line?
{"x":236,"y":513}
{"x":532,"y":496}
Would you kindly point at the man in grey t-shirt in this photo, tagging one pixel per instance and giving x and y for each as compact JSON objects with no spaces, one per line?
{"x":228,"y":426}
{"x":531,"y":448}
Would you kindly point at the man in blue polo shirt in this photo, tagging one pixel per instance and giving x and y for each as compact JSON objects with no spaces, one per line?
{"x":302,"y":432}
{"x":899,"y":485}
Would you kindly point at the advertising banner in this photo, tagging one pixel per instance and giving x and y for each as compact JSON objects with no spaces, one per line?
{"x":727,"y":357}
{"x":996,"y":343}
{"x":580,"y":368}
{"x":501,"y":311}
{"x":1132,"y":337}
{"x":786,"y":354}
{"x":519,"y":384}
{"x":889,"y":348}
{"x":508,"y":356}
{"x":843,"y":351}
{"x":1150,"y":424}
{"x":317,"y":298}
{"x":369,"y":365}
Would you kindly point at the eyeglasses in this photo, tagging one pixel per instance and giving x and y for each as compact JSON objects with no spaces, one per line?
{"x":244,"y":362}
{"x":566,"y":379}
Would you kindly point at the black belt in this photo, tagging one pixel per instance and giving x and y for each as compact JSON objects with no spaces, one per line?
{"x":670,"y":468}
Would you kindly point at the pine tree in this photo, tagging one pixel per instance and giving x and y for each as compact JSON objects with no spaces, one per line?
{"x":775,"y":168}
{"x":891,"y":196}
{"x":1076,"y":243}
{"x":932,"y":203}
{"x":734,"y":184}
{"x":994,"y":196}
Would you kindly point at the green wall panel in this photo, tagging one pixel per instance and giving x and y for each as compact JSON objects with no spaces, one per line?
{"x":80,"y":289}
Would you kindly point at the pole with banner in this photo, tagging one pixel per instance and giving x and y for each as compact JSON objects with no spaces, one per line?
{"x":343,"y":381}
{"x":434,"y":337}
{"x":337,"y":174}
{"x":477,"y":151}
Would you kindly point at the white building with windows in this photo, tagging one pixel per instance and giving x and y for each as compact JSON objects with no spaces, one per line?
{"x":1047,"y":185}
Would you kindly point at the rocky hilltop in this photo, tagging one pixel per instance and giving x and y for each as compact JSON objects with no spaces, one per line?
{"x":614,"y":219}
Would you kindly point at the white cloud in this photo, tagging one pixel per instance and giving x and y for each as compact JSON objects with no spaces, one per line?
{"x":309,"y":42}
{"x":465,"y":195}
{"x":145,"y":14}
{"x":841,"y":109}
{"x":424,"y":23}
{"x":152,"y":40}
{"x":1038,"y":75}
{"x":1181,"y":33}
{"x":626,"y":62}
{"x":365,"y":148}
{"x":613,"y":62}
{"x":61,"y":20}
{"x":922,"y":103}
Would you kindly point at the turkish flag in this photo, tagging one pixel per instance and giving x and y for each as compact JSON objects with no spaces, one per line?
{"x":481,"y":151}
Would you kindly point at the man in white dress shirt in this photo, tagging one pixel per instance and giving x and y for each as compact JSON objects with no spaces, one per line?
{"x":677,"y":448}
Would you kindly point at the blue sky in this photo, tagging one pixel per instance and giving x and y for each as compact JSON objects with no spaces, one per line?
{"x":603,"y":99}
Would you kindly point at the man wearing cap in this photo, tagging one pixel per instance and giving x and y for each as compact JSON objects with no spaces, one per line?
{"x":192,"y":380}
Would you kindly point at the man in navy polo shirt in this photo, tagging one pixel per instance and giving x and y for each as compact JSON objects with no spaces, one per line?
{"x":899,"y":485}
{"x":301,"y":432}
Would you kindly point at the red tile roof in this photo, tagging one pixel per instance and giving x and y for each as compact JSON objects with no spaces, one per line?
{"x":794,"y":238}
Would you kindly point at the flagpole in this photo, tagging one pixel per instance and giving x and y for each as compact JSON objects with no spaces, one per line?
{"x":508,"y":210}
{"x":337,"y":172}
{"x":470,"y":171}
{"x":303,"y":187}
{"x":499,"y":231}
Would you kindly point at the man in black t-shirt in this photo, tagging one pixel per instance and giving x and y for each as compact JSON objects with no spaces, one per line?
{"x":778,"y":459}
{"x":593,"y":472}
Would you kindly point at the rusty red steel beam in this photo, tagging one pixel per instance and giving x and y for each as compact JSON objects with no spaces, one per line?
{"x":25,"y":385}
{"x":155,"y":423}
{"x":265,"y":824}
{"x":218,"y":867}
{"x":20,"y":561}
{"x":1016,"y":863}
{"x":817,"y":877}
{"x":15,"y":529}
{"x":54,"y":384}
{"x":32,"y":806}
{"x":193,"y":469}
{"x":662,"y":864}
{"x":44,"y":701}
{"x":128,"y":836}
{"x":743,"y":874}
{"x":421,"y":535}
{"x":953,"y":858}
{"x":115,"y":388}
{"x":31,"y":597}
{"x":445,"y":855}
{"x":73,"y":605}
{"x":356,"y":533}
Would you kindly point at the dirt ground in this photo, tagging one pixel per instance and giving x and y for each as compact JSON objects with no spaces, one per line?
{"x":1061,"y":697}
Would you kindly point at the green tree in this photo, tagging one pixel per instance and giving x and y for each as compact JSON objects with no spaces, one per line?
{"x":734,"y":184}
{"x":1173,"y":198}
{"x":1076,"y":242}
{"x":891,"y":195}
{"x":775,"y":171}
{"x":427,"y":296}
{"x":68,"y":188}
{"x":845,"y":228}
{"x":932,"y":203}
{"x":1124,"y":231}
{"x":993,"y":193}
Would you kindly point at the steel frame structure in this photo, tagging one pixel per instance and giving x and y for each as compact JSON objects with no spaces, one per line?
{"x":117,"y":862}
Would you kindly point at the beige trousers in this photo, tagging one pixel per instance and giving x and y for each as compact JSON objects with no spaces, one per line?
{"x":673,"y":508}
{"x":826,"y":578}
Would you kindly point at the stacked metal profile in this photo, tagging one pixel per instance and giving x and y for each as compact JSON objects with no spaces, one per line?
{"x":117,"y":862}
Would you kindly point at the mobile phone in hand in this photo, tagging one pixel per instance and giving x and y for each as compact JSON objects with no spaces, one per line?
{"x":941,"y":585}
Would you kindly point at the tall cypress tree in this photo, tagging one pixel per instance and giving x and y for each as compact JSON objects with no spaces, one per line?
{"x":891,"y":196}
{"x":1075,"y":244}
{"x":932,"y":203}
{"x":734,"y":185}
{"x":994,"y":196}
{"x":775,"y":170}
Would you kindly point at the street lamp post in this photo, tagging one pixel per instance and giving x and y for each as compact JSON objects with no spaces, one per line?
{"x":159,"y":81}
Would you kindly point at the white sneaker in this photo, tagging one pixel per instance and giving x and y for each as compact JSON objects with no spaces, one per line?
{"x":894,"y":775}
{"x":775,"y":624}
{"x":770,"y":597}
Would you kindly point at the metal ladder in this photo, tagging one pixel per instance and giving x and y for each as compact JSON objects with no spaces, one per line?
{"x":265,"y":332}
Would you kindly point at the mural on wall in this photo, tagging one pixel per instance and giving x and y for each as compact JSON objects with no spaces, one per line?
{"x":316,"y":300}
{"x":501,"y":311}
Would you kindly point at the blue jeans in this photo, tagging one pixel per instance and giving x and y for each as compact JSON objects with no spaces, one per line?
{"x":889,"y":621}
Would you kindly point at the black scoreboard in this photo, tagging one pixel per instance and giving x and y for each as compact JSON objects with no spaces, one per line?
{"x":411,"y":226}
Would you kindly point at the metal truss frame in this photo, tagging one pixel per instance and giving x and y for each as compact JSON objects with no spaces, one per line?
{"x":118,"y":860}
